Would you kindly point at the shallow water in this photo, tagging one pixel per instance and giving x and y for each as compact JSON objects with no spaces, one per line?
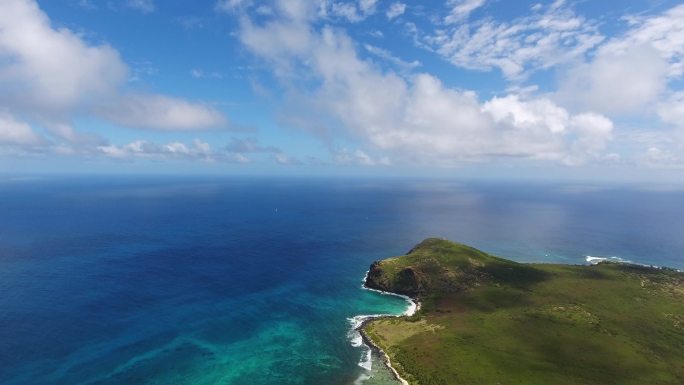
{"x":247,"y":280}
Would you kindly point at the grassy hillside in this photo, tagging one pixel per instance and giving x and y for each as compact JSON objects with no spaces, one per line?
{"x":487,"y":320}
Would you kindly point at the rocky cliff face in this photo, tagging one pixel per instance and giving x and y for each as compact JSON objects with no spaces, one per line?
{"x":436,"y":266}
{"x":407,"y":281}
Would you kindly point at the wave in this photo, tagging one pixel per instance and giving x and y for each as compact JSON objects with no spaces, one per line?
{"x":412,"y":308}
{"x":596,"y":260}
{"x":356,"y":322}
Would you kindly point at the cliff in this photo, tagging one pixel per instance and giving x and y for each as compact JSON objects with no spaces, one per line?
{"x":489,"y":320}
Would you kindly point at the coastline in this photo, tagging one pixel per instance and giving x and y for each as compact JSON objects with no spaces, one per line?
{"x":360,"y":321}
{"x":509,"y":312}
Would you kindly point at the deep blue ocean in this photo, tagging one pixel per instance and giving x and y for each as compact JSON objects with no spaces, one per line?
{"x":161,"y":280}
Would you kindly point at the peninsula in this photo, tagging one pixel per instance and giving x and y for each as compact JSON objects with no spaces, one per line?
{"x":488,"y":320}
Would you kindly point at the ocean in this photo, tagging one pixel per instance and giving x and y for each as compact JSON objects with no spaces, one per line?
{"x":247,"y":280}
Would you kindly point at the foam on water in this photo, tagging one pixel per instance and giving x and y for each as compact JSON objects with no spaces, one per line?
{"x":366,"y":362}
{"x":596,"y":260}
{"x":354,"y":334}
{"x":238,"y":294}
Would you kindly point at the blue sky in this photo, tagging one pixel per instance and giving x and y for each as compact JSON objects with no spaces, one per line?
{"x":487,"y":88}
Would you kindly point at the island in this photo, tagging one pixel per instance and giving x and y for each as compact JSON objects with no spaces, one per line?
{"x":489,"y":320}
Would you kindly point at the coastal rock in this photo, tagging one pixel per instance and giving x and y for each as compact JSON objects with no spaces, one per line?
{"x":556,"y":324}
{"x":376,"y":278}
{"x":405,"y":282}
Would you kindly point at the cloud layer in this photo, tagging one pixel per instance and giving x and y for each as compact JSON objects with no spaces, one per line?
{"x":415,"y":118}
{"x":50,"y":75}
{"x":551,"y":35}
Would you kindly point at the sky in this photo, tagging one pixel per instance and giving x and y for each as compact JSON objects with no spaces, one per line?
{"x":477,"y":88}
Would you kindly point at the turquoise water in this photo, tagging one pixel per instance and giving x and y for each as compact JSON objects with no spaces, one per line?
{"x":253,"y":281}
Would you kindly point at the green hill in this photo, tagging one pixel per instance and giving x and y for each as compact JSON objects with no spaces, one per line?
{"x":488,"y":320}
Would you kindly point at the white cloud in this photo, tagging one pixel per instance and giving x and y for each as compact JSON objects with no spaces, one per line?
{"x":633,"y":74}
{"x":358,"y":157}
{"x":461,"y":9}
{"x":419,"y":119}
{"x":250,"y":146}
{"x":538,"y":114}
{"x":37,"y":63}
{"x":664,"y":32}
{"x":202,"y":74}
{"x":145,"y":149}
{"x":661,"y":158}
{"x":237,"y":151}
{"x":592,"y":133}
{"x":630,"y":72}
{"x":284,"y":159}
{"x":524,"y":45}
{"x":387,"y":56}
{"x":346,"y":10}
{"x":53,"y":75}
{"x":67,"y":132}
{"x":14,"y":132}
{"x":144,"y":6}
{"x":616,"y":82}
{"x":241,"y":148}
{"x":584,"y":136}
{"x":230,"y":5}
{"x":395,"y":10}
{"x":368,"y":7}
{"x":671,"y":111}
{"x":293,"y":37}
{"x":352,"y":11}
{"x":264,"y":10}
{"x":150,"y":111}
{"x":377,"y":34}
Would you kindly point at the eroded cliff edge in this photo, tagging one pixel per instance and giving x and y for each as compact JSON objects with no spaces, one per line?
{"x":490,"y":320}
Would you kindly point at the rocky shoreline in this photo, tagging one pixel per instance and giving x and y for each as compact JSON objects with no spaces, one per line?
{"x":376,"y":349}
{"x":413,"y":308}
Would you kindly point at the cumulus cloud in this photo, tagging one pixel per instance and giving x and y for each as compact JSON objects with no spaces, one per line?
{"x":395,"y":10}
{"x":195,"y":150}
{"x":244,"y":148}
{"x":633,"y":73}
{"x":664,"y":32}
{"x":616,"y":81}
{"x":347,"y":157}
{"x":671,"y":111}
{"x":158,"y":112}
{"x":145,"y":149}
{"x":417,"y":118}
{"x":286,"y":160}
{"x":52,"y":74}
{"x":37,"y":63}
{"x":368,"y":7}
{"x":661,"y":158}
{"x":14,"y":132}
{"x":630,"y":72}
{"x":250,"y":145}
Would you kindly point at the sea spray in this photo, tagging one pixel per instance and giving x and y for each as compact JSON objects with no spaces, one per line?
{"x":357,"y":340}
{"x":596,"y":260}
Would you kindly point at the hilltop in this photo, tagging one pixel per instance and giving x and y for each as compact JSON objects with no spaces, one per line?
{"x":488,"y":320}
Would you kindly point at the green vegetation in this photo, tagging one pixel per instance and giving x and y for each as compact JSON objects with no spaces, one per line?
{"x":487,"y":320}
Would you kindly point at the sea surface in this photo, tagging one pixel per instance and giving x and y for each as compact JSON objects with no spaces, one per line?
{"x":161,"y":280}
